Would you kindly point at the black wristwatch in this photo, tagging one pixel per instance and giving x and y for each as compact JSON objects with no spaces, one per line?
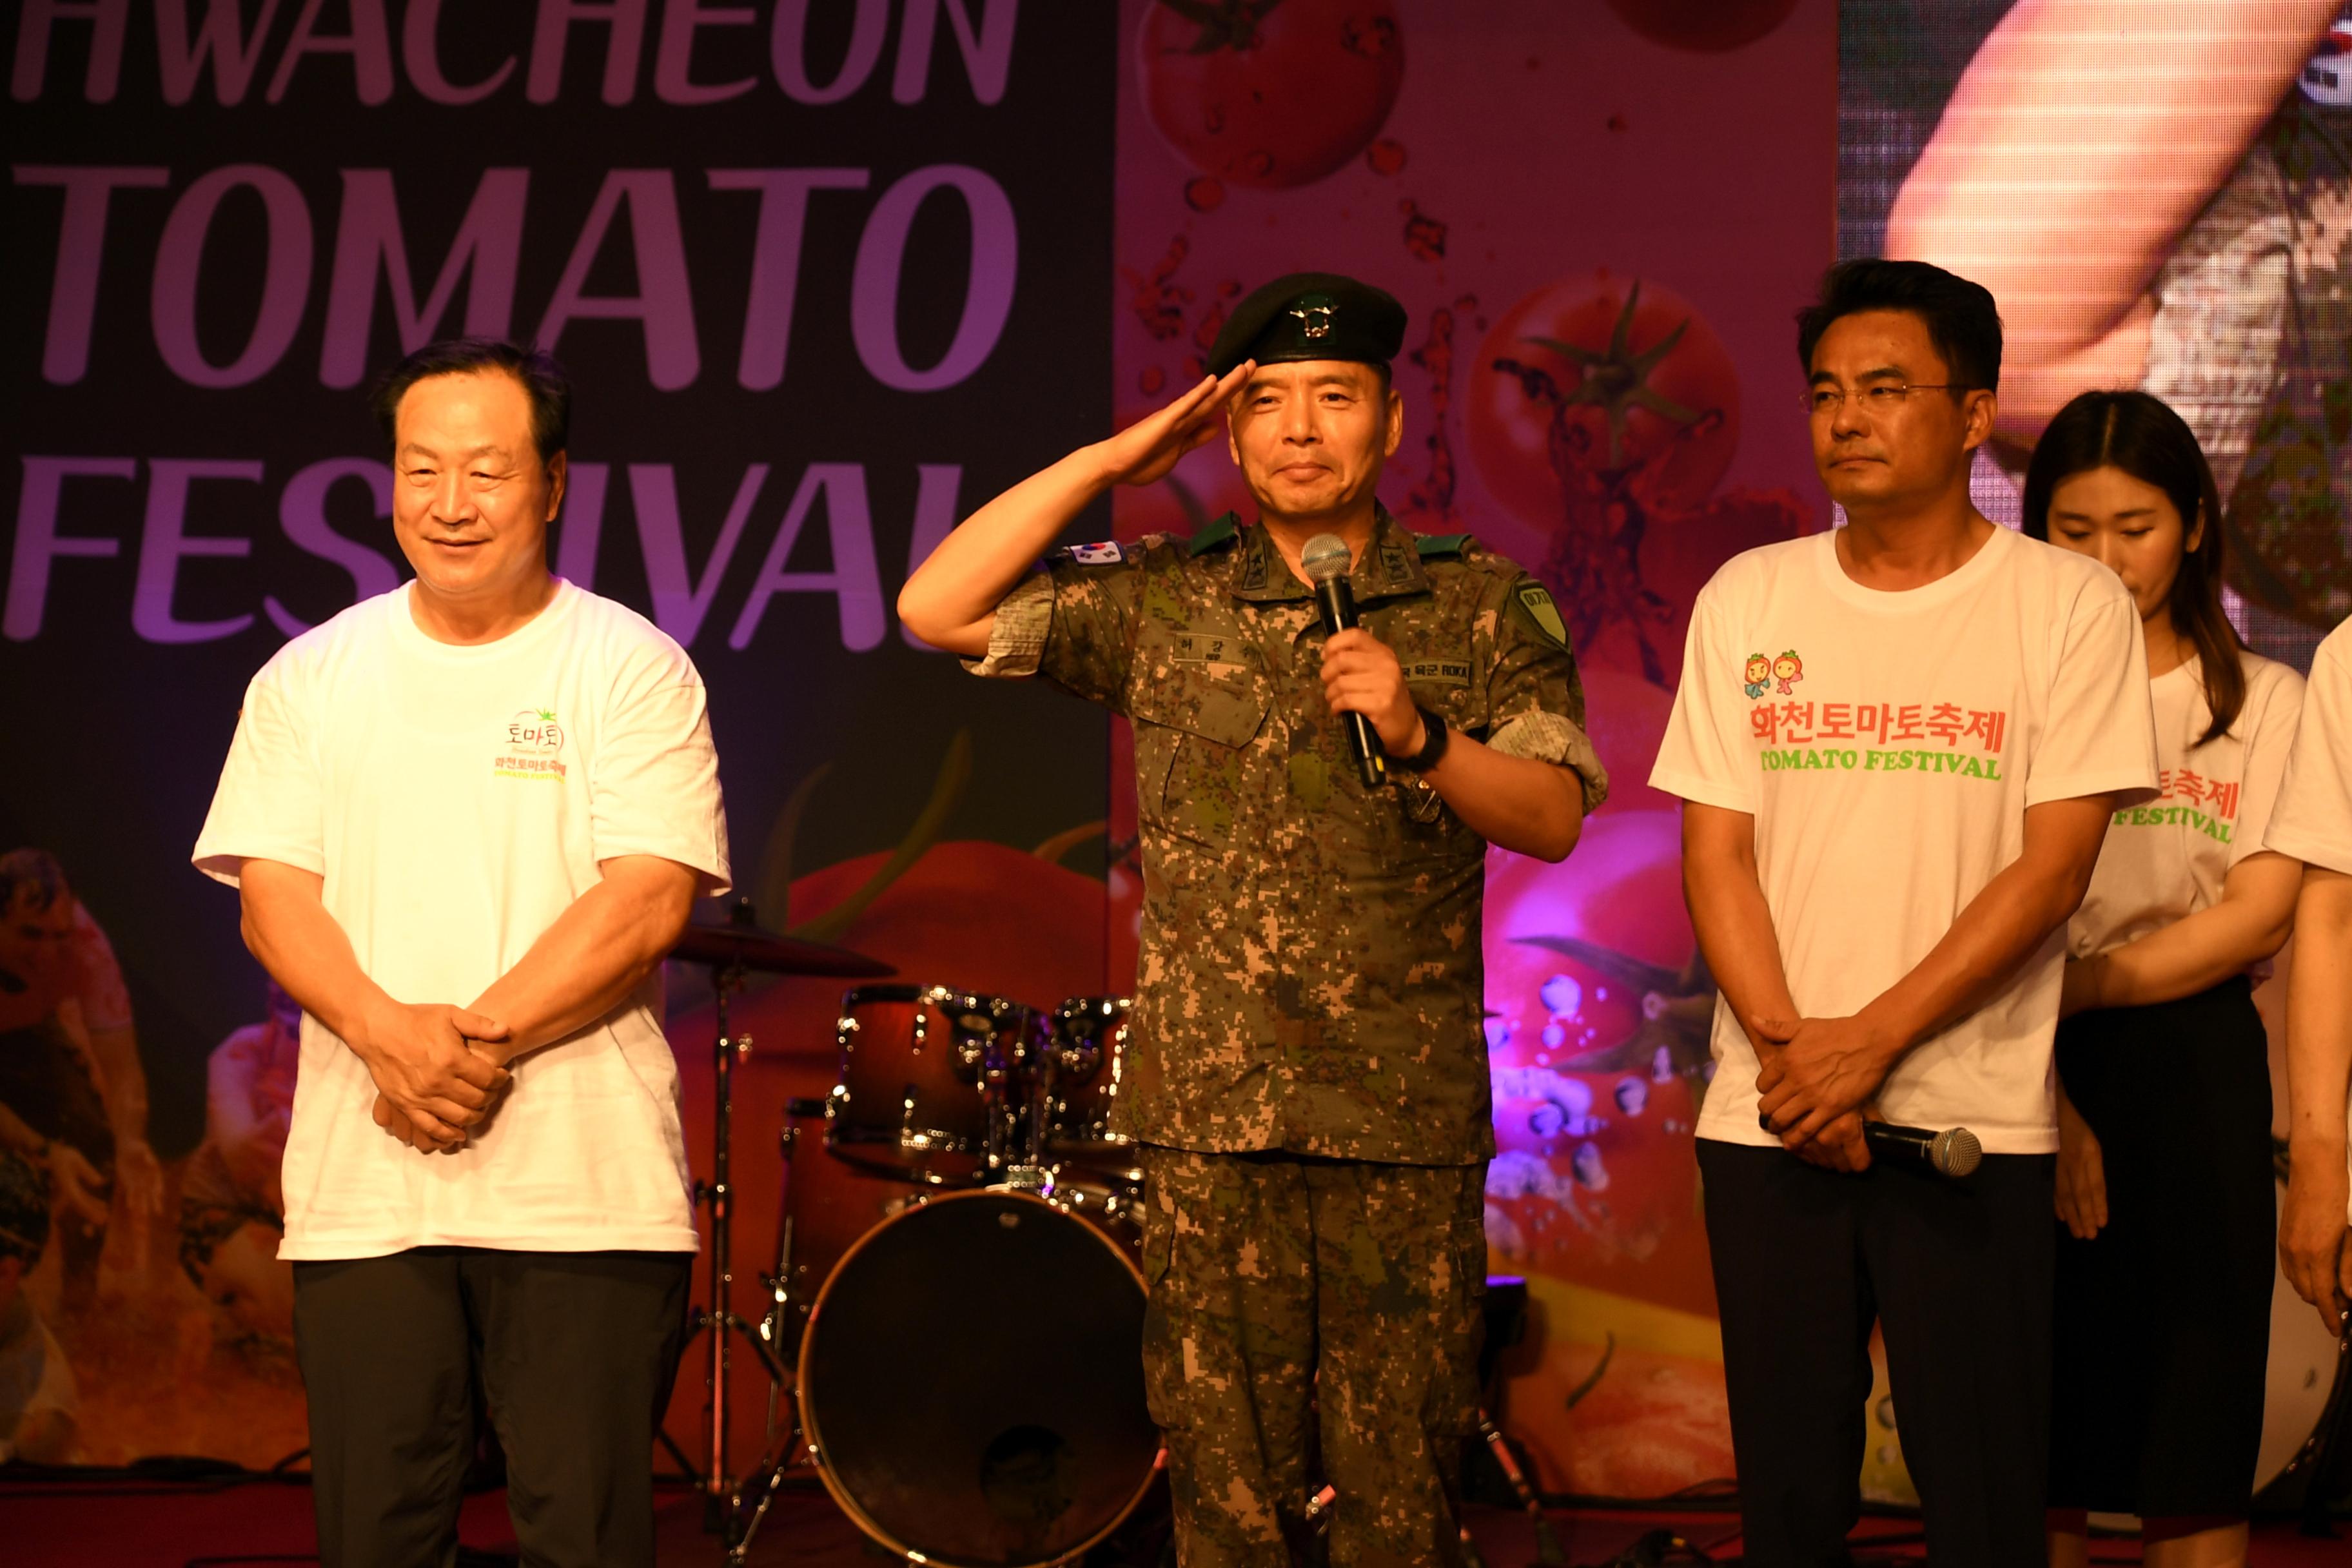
{"x":1431,"y":748}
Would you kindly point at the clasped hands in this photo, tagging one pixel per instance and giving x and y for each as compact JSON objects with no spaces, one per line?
{"x":1818,"y":1078}
{"x":438,"y":1072}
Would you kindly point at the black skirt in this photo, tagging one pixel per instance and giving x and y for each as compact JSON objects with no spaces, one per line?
{"x":2163,"y":1319}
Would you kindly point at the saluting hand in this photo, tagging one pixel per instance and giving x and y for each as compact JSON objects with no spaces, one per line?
{"x":1148,"y":448}
{"x":1361,"y":675}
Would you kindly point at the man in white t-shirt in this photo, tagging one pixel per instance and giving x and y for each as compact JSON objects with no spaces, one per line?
{"x":2313,"y":822}
{"x":467,"y":818}
{"x":1881,"y":849}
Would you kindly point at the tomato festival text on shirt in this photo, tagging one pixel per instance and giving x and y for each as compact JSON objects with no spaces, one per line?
{"x":1803,"y":723}
{"x":2176,"y":817}
{"x":2186,"y":785}
{"x":549,"y":768}
{"x":1833,"y":759}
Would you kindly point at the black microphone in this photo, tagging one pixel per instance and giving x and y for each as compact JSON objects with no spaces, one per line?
{"x":1327,"y":558}
{"x":1953,"y":1152}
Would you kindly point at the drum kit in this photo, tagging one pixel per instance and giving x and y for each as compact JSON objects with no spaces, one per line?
{"x":963,"y":1165}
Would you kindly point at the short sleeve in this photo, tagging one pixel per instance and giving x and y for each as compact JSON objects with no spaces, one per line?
{"x":653,"y":783}
{"x":267,"y":805}
{"x":2098,"y":729}
{"x":1535,"y":703}
{"x":2268,"y":740}
{"x":1704,"y":756}
{"x":2312,"y":819}
{"x":1072,"y":622}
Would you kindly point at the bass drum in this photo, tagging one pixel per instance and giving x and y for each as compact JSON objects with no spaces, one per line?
{"x":948,"y":1439}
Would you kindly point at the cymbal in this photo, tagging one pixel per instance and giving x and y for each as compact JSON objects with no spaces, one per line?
{"x":749,"y":947}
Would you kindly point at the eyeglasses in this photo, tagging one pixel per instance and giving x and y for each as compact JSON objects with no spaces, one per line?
{"x":1884,"y":398}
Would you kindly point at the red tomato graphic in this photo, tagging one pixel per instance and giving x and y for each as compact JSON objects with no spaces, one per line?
{"x":1596,"y":383}
{"x":1270,"y":93}
{"x":1707,"y":25}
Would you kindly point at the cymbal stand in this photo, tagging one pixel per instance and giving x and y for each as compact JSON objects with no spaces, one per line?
{"x":721,"y":1515}
{"x":779,"y":1331}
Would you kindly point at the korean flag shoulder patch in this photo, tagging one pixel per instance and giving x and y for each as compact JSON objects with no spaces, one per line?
{"x":1107,"y":553}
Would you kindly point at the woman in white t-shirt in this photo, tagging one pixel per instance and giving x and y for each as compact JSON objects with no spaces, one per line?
{"x":2164,"y":1168}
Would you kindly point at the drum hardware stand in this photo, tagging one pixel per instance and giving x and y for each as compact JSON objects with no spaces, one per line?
{"x":721,"y":1493}
{"x":773,"y":1329}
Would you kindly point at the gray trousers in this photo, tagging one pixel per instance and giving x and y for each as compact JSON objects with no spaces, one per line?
{"x":574,"y":1353}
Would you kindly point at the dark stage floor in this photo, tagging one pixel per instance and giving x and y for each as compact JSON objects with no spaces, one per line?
{"x":103,"y":1524}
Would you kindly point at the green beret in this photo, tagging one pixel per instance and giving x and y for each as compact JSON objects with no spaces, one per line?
{"x":1310,"y":315}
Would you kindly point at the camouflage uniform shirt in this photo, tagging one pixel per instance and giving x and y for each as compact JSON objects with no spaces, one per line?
{"x":1311,"y":976}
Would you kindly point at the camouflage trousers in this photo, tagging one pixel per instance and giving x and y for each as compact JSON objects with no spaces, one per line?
{"x":1313,"y":1320}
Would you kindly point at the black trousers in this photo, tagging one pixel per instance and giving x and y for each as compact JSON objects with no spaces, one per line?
{"x":1959,"y":1273}
{"x":573,"y":1354}
{"x":2164,"y":1318}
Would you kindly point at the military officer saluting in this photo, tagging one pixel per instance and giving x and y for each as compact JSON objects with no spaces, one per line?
{"x":1309,"y":1073}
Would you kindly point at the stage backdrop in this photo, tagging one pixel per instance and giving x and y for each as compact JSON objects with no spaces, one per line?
{"x":832,"y":272}
{"x":826,"y":276}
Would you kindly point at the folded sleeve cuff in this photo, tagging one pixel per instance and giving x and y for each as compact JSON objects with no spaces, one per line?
{"x":1548,"y":738}
{"x":1016,"y":644}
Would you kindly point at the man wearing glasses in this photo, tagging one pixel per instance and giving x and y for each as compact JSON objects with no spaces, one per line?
{"x":1880,"y":865}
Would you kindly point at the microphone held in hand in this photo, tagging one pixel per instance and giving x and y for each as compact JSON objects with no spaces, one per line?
{"x":1326,"y":560}
{"x":1954,"y":1152}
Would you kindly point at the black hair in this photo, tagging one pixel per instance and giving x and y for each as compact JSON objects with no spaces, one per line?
{"x":543,"y":380}
{"x":36,"y":871}
{"x":1962,"y":320}
{"x":2144,"y":437}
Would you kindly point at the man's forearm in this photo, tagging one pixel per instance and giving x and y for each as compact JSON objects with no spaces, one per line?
{"x":2000,"y":928}
{"x":1528,"y":806}
{"x":287,"y":929}
{"x":950,"y":600}
{"x":597,"y":952}
{"x":2319,"y":1022}
{"x":1733,"y":921}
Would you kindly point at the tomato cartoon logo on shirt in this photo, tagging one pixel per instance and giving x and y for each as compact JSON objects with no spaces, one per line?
{"x":1757,"y":677}
{"x":535,"y":728}
{"x":1270,"y":93}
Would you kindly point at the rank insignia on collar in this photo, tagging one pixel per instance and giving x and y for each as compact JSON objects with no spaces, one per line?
{"x":1107,"y":553}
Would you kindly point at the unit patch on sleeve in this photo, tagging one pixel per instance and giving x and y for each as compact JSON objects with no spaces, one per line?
{"x":1540,"y":610}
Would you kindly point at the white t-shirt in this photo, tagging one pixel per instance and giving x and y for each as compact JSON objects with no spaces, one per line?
{"x":457,"y":800}
{"x":2312,"y":819}
{"x":2168,"y":857}
{"x":1887,"y":745}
